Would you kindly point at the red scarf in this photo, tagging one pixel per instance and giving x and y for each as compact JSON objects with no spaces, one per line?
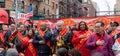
{"x":99,"y":38}
{"x":63,"y":32}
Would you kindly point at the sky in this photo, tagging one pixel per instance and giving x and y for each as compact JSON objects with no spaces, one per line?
{"x":105,"y":5}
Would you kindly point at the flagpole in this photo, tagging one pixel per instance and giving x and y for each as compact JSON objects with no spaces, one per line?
{"x":16,"y":12}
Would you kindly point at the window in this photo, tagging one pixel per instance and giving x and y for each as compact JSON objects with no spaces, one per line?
{"x":53,"y":5}
{"x":48,"y":1}
{"x":2,"y":3}
{"x":44,"y":1}
{"x":43,"y":10}
{"x":48,"y":12}
{"x":52,"y":16}
{"x":56,"y":6}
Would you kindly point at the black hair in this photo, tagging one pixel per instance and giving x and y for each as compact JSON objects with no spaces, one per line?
{"x":62,"y":52}
{"x":32,"y":32}
{"x":86,"y":28}
{"x":114,"y":24}
{"x":74,"y":52}
{"x":102,"y":24}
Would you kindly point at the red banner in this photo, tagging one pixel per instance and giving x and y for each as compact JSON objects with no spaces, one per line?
{"x":72,"y":21}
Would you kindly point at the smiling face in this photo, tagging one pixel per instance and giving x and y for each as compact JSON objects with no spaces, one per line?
{"x":30,"y":32}
{"x":98,"y":28}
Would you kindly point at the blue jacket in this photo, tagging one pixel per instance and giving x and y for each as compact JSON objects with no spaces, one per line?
{"x":42,"y":48}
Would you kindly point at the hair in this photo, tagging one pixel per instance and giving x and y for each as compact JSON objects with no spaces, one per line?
{"x":32,"y":32}
{"x":12,"y":52}
{"x":74,"y":52}
{"x":116,"y":24}
{"x":86,"y":28}
{"x":102,"y":24}
{"x":62,"y":52}
{"x":60,"y":22}
{"x":97,"y":54}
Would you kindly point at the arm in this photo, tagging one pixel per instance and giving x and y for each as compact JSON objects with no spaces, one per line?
{"x":110,"y":44}
{"x":90,"y":44}
{"x":75,"y":39}
{"x":35,"y":41}
{"x":25,"y":43}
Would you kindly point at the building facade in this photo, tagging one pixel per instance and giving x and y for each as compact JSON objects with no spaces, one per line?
{"x":43,"y":8}
{"x":117,"y":7}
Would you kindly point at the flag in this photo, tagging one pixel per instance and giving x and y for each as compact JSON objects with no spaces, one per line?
{"x":30,"y":12}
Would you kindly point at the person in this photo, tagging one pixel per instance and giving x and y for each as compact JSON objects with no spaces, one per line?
{"x":23,"y":30}
{"x":28,"y":44}
{"x":35,"y":28}
{"x":12,"y":52}
{"x":43,"y":40}
{"x":10,"y":43}
{"x":80,"y":37}
{"x":97,"y":54}
{"x":91,"y":28}
{"x":74,"y":52}
{"x":116,"y":47}
{"x":2,"y":51}
{"x":62,"y":36}
{"x":2,"y":34}
{"x":100,"y":41}
{"x":114,"y":32}
{"x":62,"y":52}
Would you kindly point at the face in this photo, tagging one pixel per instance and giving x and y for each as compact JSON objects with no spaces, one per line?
{"x":91,"y":28}
{"x":22,"y":28}
{"x":82,"y":26}
{"x":30,"y":33}
{"x":12,"y":27}
{"x":113,"y":27}
{"x":98,"y":28}
{"x":60,"y":27}
{"x":5,"y":27}
{"x":43,"y":26}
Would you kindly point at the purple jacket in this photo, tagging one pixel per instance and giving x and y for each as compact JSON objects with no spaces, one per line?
{"x":106,"y":49}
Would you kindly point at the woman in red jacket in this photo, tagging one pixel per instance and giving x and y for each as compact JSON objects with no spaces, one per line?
{"x":28,"y":45}
{"x":80,"y":37}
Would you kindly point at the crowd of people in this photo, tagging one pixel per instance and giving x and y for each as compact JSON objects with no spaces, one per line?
{"x":81,"y":40}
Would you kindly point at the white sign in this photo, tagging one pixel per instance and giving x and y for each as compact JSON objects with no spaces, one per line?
{"x":20,"y":15}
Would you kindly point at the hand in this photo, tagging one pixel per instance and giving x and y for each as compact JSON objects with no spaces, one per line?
{"x":100,"y":42}
{"x":57,"y":38}
{"x":42,"y":42}
{"x":82,"y":36}
{"x":31,"y":40}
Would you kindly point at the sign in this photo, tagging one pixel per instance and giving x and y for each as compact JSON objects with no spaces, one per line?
{"x":20,"y":15}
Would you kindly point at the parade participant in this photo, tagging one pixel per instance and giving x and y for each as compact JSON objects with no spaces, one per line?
{"x":62,"y":36}
{"x":100,"y":41}
{"x":23,"y":30}
{"x":91,"y":28}
{"x":114,"y":32}
{"x":10,"y":34}
{"x":2,"y":34}
{"x":80,"y":37}
{"x":28,"y":44}
{"x":42,"y":41}
{"x":116,"y":47}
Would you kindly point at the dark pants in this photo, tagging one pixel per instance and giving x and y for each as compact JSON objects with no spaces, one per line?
{"x":43,"y":54}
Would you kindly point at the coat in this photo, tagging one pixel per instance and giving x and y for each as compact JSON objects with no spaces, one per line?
{"x":106,"y":49}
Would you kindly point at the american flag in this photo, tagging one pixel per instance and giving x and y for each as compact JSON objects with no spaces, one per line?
{"x":30,"y":11}
{"x":30,"y":14}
